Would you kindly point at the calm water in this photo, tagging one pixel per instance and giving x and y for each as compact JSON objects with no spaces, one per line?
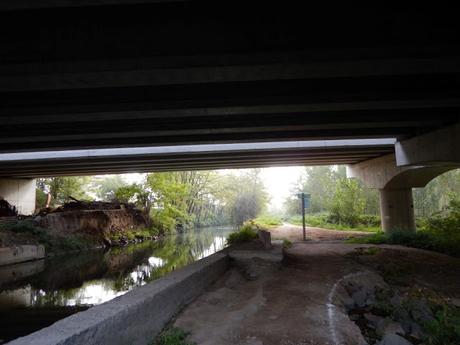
{"x":34,"y":295}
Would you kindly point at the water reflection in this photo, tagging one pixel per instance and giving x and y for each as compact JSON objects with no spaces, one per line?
{"x":66,"y":285}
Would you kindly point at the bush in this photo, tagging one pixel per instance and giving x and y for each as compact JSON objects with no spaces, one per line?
{"x":247,"y":232}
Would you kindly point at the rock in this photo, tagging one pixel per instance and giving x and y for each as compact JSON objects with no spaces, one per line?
{"x":393,"y":339}
{"x":416,"y":331}
{"x":421,"y":312}
{"x":393,"y":328}
{"x":376,"y":322}
{"x":455,"y":302}
{"x":348,"y":303}
{"x":360,"y":298}
{"x":266,"y":238}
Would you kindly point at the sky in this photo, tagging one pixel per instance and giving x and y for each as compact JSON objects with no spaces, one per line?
{"x":277,"y":180}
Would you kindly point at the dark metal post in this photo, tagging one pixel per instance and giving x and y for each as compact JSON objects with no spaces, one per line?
{"x":303,"y":217}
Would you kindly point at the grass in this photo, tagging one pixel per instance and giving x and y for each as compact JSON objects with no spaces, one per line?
{"x":246,"y":233}
{"x":268,"y":221}
{"x":172,"y":336}
{"x":438,"y":241}
{"x":445,"y":328}
{"x":322,"y":221}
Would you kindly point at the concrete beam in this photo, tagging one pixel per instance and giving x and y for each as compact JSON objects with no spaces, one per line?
{"x":19,"y":193}
{"x":440,"y":148}
{"x":383,"y":172}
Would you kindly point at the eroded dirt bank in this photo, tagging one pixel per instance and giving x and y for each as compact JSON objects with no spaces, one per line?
{"x":327,"y":293}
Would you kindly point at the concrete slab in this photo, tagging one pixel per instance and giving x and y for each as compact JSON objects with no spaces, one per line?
{"x":22,"y":253}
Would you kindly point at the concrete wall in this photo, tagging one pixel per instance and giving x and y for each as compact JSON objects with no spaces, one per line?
{"x":20,"y":193}
{"x":22,"y":253}
{"x":136,"y":317}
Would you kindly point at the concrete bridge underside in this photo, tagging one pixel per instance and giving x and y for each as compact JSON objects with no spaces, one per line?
{"x":81,"y":75}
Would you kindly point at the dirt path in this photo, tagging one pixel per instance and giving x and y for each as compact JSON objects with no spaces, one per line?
{"x":294,"y":233}
{"x":295,"y":304}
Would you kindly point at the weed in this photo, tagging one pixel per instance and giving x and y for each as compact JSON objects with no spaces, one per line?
{"x":173,"y":336}
{"x":287,"y":244}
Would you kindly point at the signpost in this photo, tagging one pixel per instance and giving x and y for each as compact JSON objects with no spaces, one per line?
{"x":305,"y":204}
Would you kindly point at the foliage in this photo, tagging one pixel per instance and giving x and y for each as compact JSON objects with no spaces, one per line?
{"x":336,"y":201}
{"x":246,"y":233}
{"x":423,"y":239}
{"x":445,"y":328}
{"x":447,"y":220}
{"x":173,"y":336}
{"x":62,"y":188}
{"x":440,"y":233}
{"x":245,"y":196}
{"x":437,"y":194}
{"x":348,"y":202}
{"x":268,"y":220}
{"x":135,"y":193}
{"x":106,"y":187}
{"x":184,"y":198}
{"x":365,"y":222}
{"x":40,"y":199}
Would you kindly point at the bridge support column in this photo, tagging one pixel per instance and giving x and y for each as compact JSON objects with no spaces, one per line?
{"x":397,"y":210}
{"x":19,"y":193}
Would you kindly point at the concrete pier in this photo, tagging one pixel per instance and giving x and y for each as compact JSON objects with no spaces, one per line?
{"x":397,"y":210}
{"x":19,"y":193}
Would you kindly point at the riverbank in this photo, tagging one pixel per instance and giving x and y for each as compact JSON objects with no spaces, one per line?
{"x":77,"y":226}
{"x":50,"y":289}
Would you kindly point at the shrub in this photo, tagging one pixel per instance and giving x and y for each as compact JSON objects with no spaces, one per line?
{"x":247,"y":232}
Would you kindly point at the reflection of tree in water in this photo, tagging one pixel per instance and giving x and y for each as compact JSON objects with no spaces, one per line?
{"x":95,"y":277}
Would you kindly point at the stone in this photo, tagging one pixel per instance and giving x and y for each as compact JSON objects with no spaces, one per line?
{"x":421,"y":312}
{"x":393,"y":328}
{"x":393,"y":339}
{"x":266,"y":238}
{"x":455,"y":302}
{"x":360,"y":298}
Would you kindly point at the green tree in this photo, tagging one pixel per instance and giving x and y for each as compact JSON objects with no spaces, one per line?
{"x":62,"y":188}
{"x":107,"y":186}
{"x":348,"y":202}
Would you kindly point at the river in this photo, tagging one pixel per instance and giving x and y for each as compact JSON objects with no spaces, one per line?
{"x":36,"y":294}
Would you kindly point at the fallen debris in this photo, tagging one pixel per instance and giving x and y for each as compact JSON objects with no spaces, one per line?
{"x":7,"y":210}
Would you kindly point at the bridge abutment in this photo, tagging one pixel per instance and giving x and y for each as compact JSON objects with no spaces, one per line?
{"x":19,"y":193}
